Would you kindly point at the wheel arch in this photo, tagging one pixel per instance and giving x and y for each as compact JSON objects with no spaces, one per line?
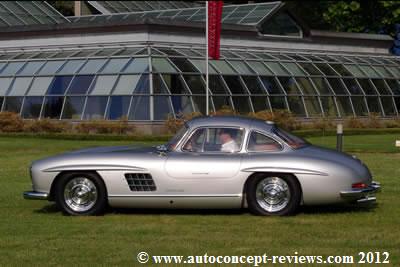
{"x":62,"y":173}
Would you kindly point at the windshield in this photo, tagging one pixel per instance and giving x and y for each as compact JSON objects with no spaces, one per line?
{"x":178,"y":136}
{"x":290,"y":139}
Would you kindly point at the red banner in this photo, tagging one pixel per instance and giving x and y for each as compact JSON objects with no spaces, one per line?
{"x":214,"y":27}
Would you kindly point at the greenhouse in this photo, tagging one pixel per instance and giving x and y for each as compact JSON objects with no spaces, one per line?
{"x":150,"y":78}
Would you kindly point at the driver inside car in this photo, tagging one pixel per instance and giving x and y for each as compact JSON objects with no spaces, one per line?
{"x":226,"y":136}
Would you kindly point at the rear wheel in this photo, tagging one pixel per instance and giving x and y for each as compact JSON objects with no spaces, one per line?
{"x":273,"y":195}
{"x":80,"y":194}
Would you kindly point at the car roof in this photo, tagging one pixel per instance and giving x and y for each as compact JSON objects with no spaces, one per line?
{"x":236,"y":121}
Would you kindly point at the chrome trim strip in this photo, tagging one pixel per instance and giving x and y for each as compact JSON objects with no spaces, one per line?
{"x":33,"y":195}
{"x":164,"y":196}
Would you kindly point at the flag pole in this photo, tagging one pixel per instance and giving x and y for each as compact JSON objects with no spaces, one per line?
{"x":207,"y":81}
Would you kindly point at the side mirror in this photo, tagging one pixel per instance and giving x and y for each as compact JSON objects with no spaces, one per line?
{"x":162,"y":148}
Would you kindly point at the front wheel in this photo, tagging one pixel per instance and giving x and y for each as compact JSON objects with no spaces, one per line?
{"x":80,"y":194}
{"x":273,"y":195}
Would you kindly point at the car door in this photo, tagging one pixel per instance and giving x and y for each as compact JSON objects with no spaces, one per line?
{"x":205,"y":168}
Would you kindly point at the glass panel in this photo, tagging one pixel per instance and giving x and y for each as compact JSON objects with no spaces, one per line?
{"x":277,"y":102}
{"x":293,"y":68}
{"x":271,"y":85}
{"x":383,"y":71}
{"x":92,"y":66}
{"x":40,"y":86}
{"x":296,"y":106}
{"x":20,"y":86}
{"x":51,"y":67}
{"x":381,"y":86}
{"x":162,"y":107}
{"x":322,"y":86}
{"x":71,"y":66}
{"x":306,"y":86}
{"x":276,"y":68}
{"x":241,"y":67}
{"x":289,"y":85}
{"x":195,"y":83}
{"x":32,"y":106}
{"x":341,"y":69}
{"x":260,"y":68}
{"x":388,"y":108}
{"x":235,"y":85}
{"x":59,"y":85}
{"x":158,"y":85}
{"x":184,"y":65}
{"x":222,"y":67}
{"x":13,"y":104}
{"x":200,"y":103}
{"x":242,"y":104}
{"x":118,"y":107}
{"x":12,"y":68}
{"x":201,"y":66}
{"x":397,"y":102}
{"x":175,"y":84}
{"x":353,"y":86}
{"x":80,"y":84}
{"x":162,"y":65}
{"x":395,"y":86}
{"x":31,"y":68}
{"x":115,"y":65}
{"x":52,"y":107}
{"x":73,"y":107}
{"x":138,"y":65}
{"x":126,"y":84}
{"x":337,"y":86}
{"x":354,"y":70}
{"x":369,"y":71}
{"x":260,"y":103}
{"x":1,"y":102}
{"x":394,"y":70}
{"x":216,"y":85}
{"x":312,"y":105}
{"x":359,"y":105}
{"x":4,"y":85}
{"x":95,"y":107}
{"x":143,"y":86}
{"x":260,"y":142}
{"x":221,"y":102}
{"x":328,"y":104}
{"x":140,"y":108}
{"x":281,"y":24}
{"x":344,"y":106}
{"x":310,"y":68}
{"x":254,"y":85}
{"x":367,"y":87}
{"x":103,"y":84}
{"x":373,"y":104}
{"x":181,"y":104}
{"x":326,"y":69}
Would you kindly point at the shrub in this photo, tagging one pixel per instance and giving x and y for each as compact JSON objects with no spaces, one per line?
{"x":46,"y":126}
{"x":105,"y":127}
{"x":282,"y":118}
{"x":354,"y":123}
{"x":224,"y":110}
{"x":10,"y":122}
{"x":173,"y":124}
{"x":323,"y":124}
{"x":374,"y":121}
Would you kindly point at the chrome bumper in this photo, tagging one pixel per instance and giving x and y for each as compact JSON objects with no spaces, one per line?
{"x":362,"y":195}
{"x":35,"y":195}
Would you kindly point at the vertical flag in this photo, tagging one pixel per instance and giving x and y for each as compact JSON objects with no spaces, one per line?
{"x":214,"y":27}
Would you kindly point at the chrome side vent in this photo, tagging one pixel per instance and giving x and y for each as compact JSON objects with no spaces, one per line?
{"x":140,"y":182}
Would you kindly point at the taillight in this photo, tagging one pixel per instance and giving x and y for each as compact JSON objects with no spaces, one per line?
{"x":359,"y":186}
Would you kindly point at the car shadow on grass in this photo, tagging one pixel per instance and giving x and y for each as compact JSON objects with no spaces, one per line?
{"x":303,"y":210}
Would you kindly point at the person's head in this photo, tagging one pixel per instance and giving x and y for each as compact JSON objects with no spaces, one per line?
{"x":226,"y":135}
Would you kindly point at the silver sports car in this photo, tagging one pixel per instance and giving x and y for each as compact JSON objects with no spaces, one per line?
{"x":212,"y":162}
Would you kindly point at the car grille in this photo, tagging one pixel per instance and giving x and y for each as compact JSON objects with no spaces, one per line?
{"x":140,"y":182}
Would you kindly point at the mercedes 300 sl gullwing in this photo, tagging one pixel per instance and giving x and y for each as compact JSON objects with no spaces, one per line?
{"x":216,"y":162}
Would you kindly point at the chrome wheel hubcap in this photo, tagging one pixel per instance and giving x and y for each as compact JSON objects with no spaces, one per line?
{"x":80,"y":194}
{"x":272,"y":194}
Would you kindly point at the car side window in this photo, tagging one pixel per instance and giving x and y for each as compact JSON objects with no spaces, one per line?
{"x":221,"y":139}
{"x":259,"y":142}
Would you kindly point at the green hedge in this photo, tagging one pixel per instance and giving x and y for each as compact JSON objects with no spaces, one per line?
{"x":164,"y":138}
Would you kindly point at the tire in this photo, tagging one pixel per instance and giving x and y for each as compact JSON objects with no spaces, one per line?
{"x":273,"y":195}
{"x":80,"y":193}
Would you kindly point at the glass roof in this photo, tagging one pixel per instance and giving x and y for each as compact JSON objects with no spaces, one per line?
{"x":15,"y":13}
{"x":151,"y":82}
{"x":136,"y":6}
{"x":248,"y":14}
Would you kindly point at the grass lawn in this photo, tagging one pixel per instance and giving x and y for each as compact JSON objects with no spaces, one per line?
{"x":35,"y":232}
